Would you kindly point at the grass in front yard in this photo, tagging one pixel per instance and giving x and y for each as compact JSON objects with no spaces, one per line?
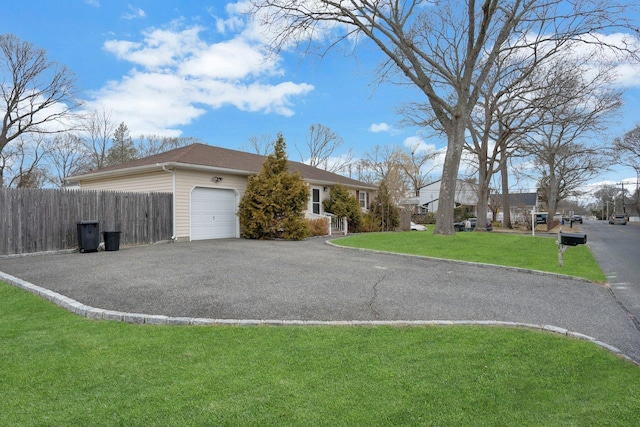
{"x":61,"y":369}
{"x":524,"y":251}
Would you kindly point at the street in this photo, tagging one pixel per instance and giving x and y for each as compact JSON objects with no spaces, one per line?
{"x":616,"y":248}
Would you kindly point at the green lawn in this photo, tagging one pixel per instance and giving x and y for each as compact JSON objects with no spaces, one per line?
{"x":514,"y":250}
{"x":58,"y":369}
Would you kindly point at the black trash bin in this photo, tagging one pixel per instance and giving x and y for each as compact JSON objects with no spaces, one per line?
{"x":88,"y":236}
{"x":111,"y":240}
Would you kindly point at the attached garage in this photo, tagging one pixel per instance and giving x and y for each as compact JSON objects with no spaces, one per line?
{"x":213,"y":213}
{"x":207,"y":184}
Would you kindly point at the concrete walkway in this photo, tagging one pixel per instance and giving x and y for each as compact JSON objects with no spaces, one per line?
{"x":276,"y":282}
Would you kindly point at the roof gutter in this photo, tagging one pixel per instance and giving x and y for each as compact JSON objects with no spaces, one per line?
{"x":330,"y":183}
{"x":156,"y":166}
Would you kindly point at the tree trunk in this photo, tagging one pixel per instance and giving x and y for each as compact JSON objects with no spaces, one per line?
{"x":482,"y":207}
{"x":446,"y":201}
{"x":482,"y":204}
{"x":506,"y":207}
{"x":552,"y":196}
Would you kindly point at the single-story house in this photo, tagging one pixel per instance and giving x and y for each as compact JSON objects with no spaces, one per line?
{"x":520,"y":205}
{"x":466,"y":194}
{"x":207,"y":184}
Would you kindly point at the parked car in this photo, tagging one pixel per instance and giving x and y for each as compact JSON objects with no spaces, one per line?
{"x":417,"y":227}
{"x":618,"y":218}
{"x":577,"y":218}
{"x":459,"y":226}
{"x":541,"y":217}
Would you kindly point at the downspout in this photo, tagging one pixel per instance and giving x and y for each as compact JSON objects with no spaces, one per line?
{"x":173,"y":207}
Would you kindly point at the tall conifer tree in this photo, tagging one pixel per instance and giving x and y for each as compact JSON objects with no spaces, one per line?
{"x":383,"y":211}
{"x":273,"y":205}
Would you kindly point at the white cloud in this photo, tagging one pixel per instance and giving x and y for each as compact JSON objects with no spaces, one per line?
{"x":233,"y":22}
{"x":233,"y":59}
{"x":628,"y":75}
{"x":616,"y":54}
{"x":254,"y":97}
{"x":379,"y":127}
{"x":613,"y":52}
{"x":418,"y":144}
{"x":150,"y":102}
{"x":177,"y":75}
{"x":133,"y":13}
{"x":159,"y":48}
{"x":94,"y":3}
{"x":264,"y":28}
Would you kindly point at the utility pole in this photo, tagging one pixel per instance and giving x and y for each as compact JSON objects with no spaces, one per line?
{"x":624,"y":206}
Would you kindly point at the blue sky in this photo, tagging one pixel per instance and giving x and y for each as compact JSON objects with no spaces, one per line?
{"x":192,"y":68}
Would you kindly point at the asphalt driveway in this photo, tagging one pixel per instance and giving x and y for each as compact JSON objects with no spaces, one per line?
{"x":310,"y":280}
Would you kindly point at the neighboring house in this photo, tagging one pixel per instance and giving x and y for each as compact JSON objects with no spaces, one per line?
{"x":466,"y":194}
{"x":520,"y":205}
{"x":207,"y":184}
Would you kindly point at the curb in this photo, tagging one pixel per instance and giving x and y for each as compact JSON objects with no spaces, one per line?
{"x":155,"y":319}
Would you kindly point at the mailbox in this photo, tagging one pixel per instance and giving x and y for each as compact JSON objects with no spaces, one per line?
{"x":573,"y":239}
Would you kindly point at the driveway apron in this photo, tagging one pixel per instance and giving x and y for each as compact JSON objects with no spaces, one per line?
{"x":310,"y":280}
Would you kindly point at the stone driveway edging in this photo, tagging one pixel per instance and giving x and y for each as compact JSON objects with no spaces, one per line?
{"x":94,"y":313}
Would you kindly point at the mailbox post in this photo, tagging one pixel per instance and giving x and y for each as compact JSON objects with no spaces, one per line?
{"x":568,"y":239}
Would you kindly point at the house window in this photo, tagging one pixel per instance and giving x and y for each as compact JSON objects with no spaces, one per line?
{"x":315,"y":201}
{"x":362,"y":198}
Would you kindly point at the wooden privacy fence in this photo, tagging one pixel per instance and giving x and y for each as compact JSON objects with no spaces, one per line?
{"x":38,"y":220}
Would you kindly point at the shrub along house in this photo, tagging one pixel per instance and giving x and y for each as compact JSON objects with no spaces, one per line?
{"x":207,"y":184}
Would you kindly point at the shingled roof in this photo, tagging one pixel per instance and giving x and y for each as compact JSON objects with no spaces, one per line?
{"x":519,"y":199}
{"x":218,"y":158}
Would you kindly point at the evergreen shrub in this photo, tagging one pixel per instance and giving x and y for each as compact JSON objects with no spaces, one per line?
{"x":275,"y":200}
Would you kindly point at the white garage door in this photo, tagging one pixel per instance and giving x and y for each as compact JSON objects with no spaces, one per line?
{"x":213,"y":213}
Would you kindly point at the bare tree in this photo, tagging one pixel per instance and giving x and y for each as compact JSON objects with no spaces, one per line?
{"x":262,"y":145}
{"x":626,"y":151}
{"x":148,"y":145}
{"x":37,"y":95}
{"x":383,"y":164}
{"x":574,"y":108}
{"x":628,"y":148}
{"x":320,"y":150}
{"x":359,"y":170}
{"x":23,"y":160}
{"x":67,"y":155}
{"x":417,"y":165}
{"x":445,"y":49}
{"x":99,"y":128}
{"x":503,"y":115}
{"x":573,"y":165}
{"x":605,"y":196}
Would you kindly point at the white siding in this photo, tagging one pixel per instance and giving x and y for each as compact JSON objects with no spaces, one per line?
{"x":187,"y":180}
{"x":152,"y":181}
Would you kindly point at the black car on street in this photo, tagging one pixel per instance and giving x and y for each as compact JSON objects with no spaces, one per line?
{"x":459,"y":226}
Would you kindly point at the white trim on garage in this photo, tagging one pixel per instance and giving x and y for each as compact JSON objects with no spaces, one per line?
{"x":212,"y":213}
